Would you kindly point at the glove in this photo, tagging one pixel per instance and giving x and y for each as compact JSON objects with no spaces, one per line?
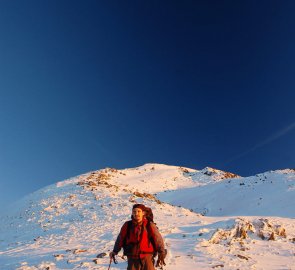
{"x":112,"y":256}
{"x":161,"y":259}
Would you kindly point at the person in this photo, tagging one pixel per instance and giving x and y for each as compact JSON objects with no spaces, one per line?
{"x":141,"y":241}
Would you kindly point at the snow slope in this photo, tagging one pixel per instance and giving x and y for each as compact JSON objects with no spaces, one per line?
{"x":209,"y":219}
{"x":266,"y":194}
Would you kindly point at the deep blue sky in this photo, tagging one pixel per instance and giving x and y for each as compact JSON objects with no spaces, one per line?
{"x":91,"y":84}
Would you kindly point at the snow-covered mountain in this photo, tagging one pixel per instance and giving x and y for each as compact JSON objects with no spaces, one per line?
{"x":209,"y":219}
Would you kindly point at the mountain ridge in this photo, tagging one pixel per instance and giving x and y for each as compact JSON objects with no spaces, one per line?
{"x":67,"y":224}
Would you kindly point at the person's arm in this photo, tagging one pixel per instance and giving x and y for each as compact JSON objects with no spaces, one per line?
{"x":160,"y":247}
{"x":120,"y":240}
{"x":158,"y":239}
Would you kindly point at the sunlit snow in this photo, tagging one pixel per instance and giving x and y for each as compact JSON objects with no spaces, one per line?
{"x":209,"y":219}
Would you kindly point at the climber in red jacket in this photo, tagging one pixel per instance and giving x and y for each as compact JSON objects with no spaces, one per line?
{"x":140,"y":240}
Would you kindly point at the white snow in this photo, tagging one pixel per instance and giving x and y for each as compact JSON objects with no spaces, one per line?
{"x":209,"y":219}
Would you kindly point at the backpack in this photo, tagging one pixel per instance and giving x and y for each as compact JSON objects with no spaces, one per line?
{"x":149,"y":214}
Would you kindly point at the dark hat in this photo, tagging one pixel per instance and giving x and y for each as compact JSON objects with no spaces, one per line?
{"x":140,"y":206}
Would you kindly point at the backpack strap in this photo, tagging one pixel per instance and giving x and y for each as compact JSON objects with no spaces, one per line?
{"x":150,"y":236}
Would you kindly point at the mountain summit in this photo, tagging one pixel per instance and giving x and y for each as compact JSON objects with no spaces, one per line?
{"x":210,"y":219}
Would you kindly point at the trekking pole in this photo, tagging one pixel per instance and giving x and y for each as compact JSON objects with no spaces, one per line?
{"x":110,"y":263}
{"x":112,"y":259}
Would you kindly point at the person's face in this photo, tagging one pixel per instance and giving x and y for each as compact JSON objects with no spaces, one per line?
{"x":137,"y":214}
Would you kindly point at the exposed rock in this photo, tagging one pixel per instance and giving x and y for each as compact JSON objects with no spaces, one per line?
{"x":101,"y":255}
{"x":77,"y":251}
{"x":244,"y":229}
{"x":96,"y":261}
{"x":218,"y":266}
{"x":58,"y":257}
{"x":243,"y":257}
{"x":147,"y":195}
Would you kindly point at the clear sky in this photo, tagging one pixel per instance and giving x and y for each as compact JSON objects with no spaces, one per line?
{"x":91,"y":84}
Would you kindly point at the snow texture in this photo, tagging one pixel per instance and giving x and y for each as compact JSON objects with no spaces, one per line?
{"x":209,"y":219}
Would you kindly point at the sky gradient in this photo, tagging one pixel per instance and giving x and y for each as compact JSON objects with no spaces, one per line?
{"x":91,"y":84}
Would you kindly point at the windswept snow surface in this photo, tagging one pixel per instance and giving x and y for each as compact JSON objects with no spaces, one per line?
{"x":209,"y":219}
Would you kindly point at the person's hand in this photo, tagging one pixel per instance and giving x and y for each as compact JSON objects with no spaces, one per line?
{"x":161,"y":259}
{"x":113,"y":254}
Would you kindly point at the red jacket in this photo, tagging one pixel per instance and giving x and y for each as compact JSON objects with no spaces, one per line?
{"x":141,"y":240}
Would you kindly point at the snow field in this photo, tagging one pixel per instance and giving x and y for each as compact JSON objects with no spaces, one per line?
{"x":66,"y":225}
